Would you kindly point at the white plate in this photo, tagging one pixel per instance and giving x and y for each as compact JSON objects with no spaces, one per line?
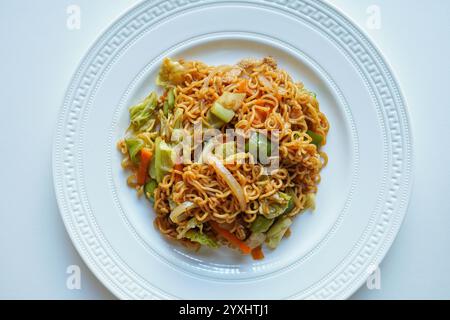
{"x":364,"y":190}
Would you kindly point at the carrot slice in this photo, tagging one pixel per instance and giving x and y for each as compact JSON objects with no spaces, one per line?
{"x":257,"y":253}
{"x":242,"y":87}
{"x":261,"y":116}
{"x":146,"y":156}
{"x":230,"y":237}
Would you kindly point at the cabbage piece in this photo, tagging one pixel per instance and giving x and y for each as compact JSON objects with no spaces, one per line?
{"x":279,"y":208}
{"x":178,"y":118}
{"x":310,"y":201}
{"x":261,"y":224}
{"x":232,"y":101}
{"x":221,"y":112}
{"x":201,"y":238}
{"x":291,"y":203}
{"x":171,"y":98}
{"x":259,"y":143}
{"x":256,"y":239}
{"x":170,"y":102}
{"x":172,"y":204}
{"x":316,"y":139}
{"x":152,"y":168}
{"x":277,"y":231}
{"x":213,"y":121}
{"x":149,"y":189}
{"x":134,"y":145}
{"x":164,"y":159}
{"x":141,"y":113}
{"x":171,"y":73}
{"x":191,"y":224}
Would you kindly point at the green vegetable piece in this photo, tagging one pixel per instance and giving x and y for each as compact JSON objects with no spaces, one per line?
{"x":142,"y":112}
{"x":261,"y":224}
{"x":178,"y":118}
{"x":201,"y":238}
{"x":252,"y":144}
{"x":317,"y":139}
{"x":290,"y":205}
{"x":231,"y":100}
{"x":277,"y":209}
{"x":277,"y":231}
{"x":134,"y":145}
{"x":149,"y":188}
{"x":222,"y":113}
{"x":191,"y":224}
{"x":166,"y":108}
{"x":171,"y":99}
{"x":164,"y":159}
{"x":258,"y":141}
{"x":152,"y":168}
{"x":255,"y":239}
{"x":158,"y":171}
{"x":171,"y":73}
{"x":264,"y":144}
{"x":310,"y":202}
{"x":213,"y":121}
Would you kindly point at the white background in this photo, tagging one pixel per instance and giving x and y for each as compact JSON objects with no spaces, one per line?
{"x":38,"y":55}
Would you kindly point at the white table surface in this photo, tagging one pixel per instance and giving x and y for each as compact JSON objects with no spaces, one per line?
{"x":38,"y":55}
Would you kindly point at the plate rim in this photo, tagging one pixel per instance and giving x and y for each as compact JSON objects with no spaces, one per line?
{"x":337,"y":12}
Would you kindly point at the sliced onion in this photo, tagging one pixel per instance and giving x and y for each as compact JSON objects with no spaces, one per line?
{"x":266,"y":83}
{"x":179,"y":213}
{"x":229,"y":179}
{"x":208,"y":149}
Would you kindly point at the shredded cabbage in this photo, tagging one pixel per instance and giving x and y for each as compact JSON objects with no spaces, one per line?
{"x":141,"y":113}
{"x":230,"y":100}
{"x":221,"y":112}
{"x":310,"y":201}
{"x":171,"y":73}
{"x":276,"y":209}
{"x":256,"y":239}
{"x":277,"y":231}
{"x":191,"y":224}
{"x":261,"y":224}
{"x":164,"y":159}
{"x":201,"y":238}
{"x":134,"y":145}
{"x":150,"y":188}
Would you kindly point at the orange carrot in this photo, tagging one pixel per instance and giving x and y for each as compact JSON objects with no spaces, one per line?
{"x":230,"y":237}
{"x":146,"y":156}
{"x":259,"y":102}
{"x":261,"y":115}
{"x":242,"y":87}
{"x":257,"y":253}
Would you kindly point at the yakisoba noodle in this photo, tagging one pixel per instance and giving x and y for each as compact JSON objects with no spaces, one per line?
{"x":222,"y":200}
